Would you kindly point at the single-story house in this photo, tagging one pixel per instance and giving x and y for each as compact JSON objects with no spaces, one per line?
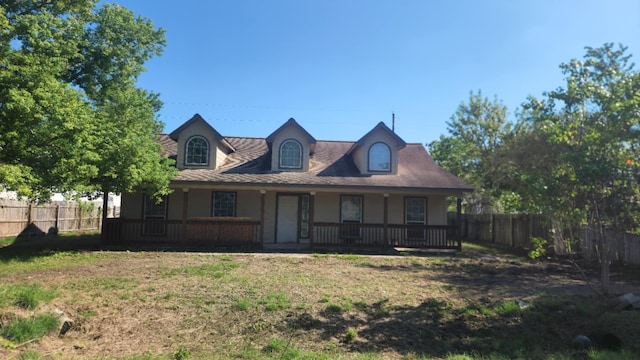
{"x":289,"y":188}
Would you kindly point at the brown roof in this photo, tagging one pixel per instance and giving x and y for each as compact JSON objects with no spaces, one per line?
{"x":329,"y":166}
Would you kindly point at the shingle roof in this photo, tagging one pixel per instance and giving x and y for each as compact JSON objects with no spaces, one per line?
{"x":329,"y":166}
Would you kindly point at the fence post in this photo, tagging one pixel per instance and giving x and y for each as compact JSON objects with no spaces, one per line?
{"x":512,"y":232}
{"x":492,"y":227}
{"x":55,"y":225}
{"x":29,"y":215}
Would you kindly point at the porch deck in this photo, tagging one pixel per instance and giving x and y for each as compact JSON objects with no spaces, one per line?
{"x":244,"y":232}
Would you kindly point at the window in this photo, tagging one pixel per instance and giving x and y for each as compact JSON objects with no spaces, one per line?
{"x":415,"y":214}
{"x":379,"y":157}
{"x":291,"y":154}
{"x":224,"y":204}
{"x":154,"y":214}
{"x":304,"y":216}
{"x":197,"y":151}
{"x":351,"y":214}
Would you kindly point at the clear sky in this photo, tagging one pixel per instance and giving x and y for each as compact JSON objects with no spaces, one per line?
{"x":341,"y":66}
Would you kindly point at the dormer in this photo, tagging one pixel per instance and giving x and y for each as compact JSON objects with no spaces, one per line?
{"x":291,"y":146}
{"x":200,"y":146}
{"x":376,"y":153}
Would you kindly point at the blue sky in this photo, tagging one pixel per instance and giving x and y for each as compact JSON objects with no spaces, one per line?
{"x":341,"y":66}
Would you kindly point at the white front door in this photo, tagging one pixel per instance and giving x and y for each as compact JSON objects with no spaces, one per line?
{"x":287,"y":225}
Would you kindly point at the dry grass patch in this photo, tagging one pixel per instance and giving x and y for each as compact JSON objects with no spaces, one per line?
{"x":190,"y":305}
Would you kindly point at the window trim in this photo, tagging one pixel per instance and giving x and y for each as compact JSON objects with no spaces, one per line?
{"x":145,"y":223}
{"x":287,"y":141}
{"x":388,"y":148}
{"x":213,"y":203}
{"x":345,"y":231}
{"x":425,"y":220}
{"x":207,"y":152}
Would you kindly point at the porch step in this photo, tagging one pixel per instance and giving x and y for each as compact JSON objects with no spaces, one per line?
{"x":285,"y":247}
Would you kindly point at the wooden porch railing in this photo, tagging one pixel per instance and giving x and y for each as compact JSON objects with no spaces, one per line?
{"x":394,"y":235}
{"x":201,"y":232}
{"x":240,"y":231}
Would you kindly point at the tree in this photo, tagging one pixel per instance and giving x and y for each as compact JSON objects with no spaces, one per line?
{"x":592,"y":126}
{"x":71,"y":116}
{"x":476,"y":131}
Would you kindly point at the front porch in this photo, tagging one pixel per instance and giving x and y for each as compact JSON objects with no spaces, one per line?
{"x":238,"y":232}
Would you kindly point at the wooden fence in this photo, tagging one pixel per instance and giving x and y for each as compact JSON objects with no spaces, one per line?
{"x":513,"y":230}
{"x":20,"y":219}
{"x":517,"y":231}
{"x":624,"y":248}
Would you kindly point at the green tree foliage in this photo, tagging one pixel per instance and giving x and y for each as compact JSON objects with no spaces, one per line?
{"x":589,"y":133}
{"x":71,"y":116}
{"x":477,"y":131}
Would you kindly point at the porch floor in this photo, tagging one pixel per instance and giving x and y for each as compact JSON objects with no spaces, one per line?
{"x":285,"y":247}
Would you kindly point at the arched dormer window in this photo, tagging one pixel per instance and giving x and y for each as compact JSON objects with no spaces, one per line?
{"x":379,"y":157}
{"x":291,"y":154}
{"x":197,"y":151}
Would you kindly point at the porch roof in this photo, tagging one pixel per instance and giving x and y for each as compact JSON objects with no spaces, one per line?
{"x":329,"y":166}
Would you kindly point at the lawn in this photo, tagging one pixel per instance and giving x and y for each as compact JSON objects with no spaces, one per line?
{"x":482,"y":303}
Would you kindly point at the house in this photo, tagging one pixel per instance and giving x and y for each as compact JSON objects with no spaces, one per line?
{"x":289,"y":188}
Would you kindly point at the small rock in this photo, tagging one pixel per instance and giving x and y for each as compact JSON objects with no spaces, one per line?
{"x":582,"y":342}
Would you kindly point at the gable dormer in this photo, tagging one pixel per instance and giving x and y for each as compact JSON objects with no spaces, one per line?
{"x":291,"y":146}
{"x":377,"y":151}
{"x":200,"y":146}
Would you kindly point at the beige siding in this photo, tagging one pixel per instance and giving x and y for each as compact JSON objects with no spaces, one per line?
{"x":361,"y":155}
{"x":327,"y":207}
{"x":196,"y":129}
{"x":290,"y":132}
{"x":248,"y":204}
{"x":221,"y":155}
{"x":200,"y":203}
{"x":437,"y":210}
{"x":396,"y":209}
{"x":373,"y":209}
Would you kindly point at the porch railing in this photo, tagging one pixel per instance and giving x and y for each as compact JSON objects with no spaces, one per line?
{"x":393,"y":235}
{"x":241,"y":231}
{"x":201,"y":232}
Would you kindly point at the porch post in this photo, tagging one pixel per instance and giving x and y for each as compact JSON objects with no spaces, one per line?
{"x":312,"y":201}
{"x":459,"y":222}
{"x":386,"y":218}
{"x":185,"y":207}
{"x":263,"y":195}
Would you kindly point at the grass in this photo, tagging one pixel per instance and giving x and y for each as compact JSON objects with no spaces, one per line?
{"x":235,"y":305}
{"x":24,"y":329}
{"x":25,"y":295}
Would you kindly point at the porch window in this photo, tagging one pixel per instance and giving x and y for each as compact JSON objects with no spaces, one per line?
{"x":224,"y":204}
{"x":291,"y":154}
{"x":197,"y":151}
{"x":415,"y":214}
{"x":379,"y":157}
{"x":154,"y":215}
{"x":350,"y":215}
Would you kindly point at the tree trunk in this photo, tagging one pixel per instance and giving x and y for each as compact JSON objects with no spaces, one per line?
{"x":105,"y":203}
